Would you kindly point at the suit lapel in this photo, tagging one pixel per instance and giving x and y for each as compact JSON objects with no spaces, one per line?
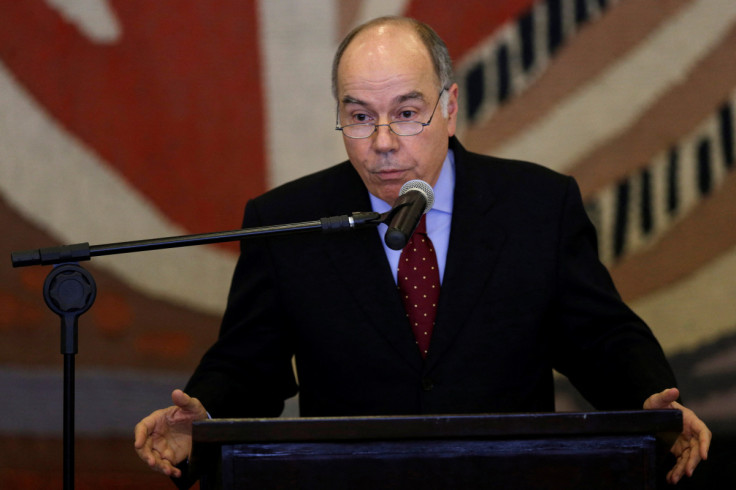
{"x":360,"y":262}
{"x":473,"y":250}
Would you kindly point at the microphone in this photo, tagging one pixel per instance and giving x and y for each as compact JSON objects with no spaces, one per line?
{"x":416,"y":197}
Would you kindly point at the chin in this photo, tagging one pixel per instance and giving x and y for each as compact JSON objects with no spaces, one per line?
{"x":389,"y":193}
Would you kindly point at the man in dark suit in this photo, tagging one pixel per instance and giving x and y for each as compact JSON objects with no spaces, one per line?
{"x":522,"y":290}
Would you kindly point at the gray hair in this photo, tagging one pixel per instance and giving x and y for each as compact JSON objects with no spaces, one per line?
{"x":434,"y":43}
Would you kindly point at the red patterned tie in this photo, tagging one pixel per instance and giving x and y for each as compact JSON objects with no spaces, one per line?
{"x":419,"y":282}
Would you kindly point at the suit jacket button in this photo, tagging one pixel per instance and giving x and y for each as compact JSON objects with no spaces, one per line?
{"x":427,"y":384}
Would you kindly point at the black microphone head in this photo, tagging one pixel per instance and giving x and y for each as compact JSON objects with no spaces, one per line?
{"x":421,"y":186}
{"x":416,"y":197}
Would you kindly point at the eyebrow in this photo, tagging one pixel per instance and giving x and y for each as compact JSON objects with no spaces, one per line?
{"x":415,"y":94}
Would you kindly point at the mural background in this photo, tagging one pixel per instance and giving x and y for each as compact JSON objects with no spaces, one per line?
{"x":128,"y":119}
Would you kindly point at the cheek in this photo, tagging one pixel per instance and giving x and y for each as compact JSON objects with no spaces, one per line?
{"x":423,"y":152}
{"x":358,"y":159}
{"x":353,"y":152}
{"x":429,"y":157}
{"x":362,"y":155}
{"x":356,"y":147}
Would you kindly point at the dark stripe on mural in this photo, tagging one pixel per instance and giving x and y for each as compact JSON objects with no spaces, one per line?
{"x":727,"y":135}
{"x":527,"y":36}
{"x":554,"y":25}
{"x":647,"y":216}
{"x":475,"y":88}
{"x":504,"y":73}
{"x":673,"y":171}
{"x":581,"y":11}
{"x":704,"y":174}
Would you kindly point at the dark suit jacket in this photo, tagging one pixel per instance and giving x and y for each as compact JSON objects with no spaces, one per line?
{"x":523,"y":293}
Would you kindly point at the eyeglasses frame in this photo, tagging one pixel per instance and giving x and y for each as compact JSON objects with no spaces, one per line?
{"x":376,"y":126}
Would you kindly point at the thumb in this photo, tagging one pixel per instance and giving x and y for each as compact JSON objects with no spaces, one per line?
{"x":188,"y":406}
{"x":182,"y":400}
{"x":663,"y":399}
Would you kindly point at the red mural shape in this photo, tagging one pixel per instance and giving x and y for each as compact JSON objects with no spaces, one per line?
{"x":465,"y":24}
{"x":174,"y":105}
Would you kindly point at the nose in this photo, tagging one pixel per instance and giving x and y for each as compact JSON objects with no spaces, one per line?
{"x":385,"y":140}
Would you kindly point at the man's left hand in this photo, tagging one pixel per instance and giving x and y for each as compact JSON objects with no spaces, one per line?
{"x":692,"y":444}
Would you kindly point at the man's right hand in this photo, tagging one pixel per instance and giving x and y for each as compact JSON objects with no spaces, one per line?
{"x":164,"y":438}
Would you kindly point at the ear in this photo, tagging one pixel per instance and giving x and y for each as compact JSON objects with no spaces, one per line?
{"x":452,"y":109}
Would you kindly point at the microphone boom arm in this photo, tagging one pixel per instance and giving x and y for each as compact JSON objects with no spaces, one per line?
{"x":84,"y":251}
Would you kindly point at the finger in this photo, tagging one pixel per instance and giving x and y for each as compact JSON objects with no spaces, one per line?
{"x":163,"y":465}
{"x":670,"y":395}
{"x":148,"y":449}
{"x":166,"y":452}
{"x":675,"y":474}
{"x":174,"y":471}
{"x":699,"y":431}
{"x":662,"y":399}
{"x":181,"y":399}
{"x":141,"y":433}
{"x":673,"y":477}
{"x":189,"y":407}
{"x":166,"y":467}
{"x":705,"y":437}
{"x":696,"y":455}
{"x":148,"y":455}
{"x":142,"y":447}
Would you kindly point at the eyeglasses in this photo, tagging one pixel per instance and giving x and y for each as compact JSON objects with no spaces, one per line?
{"x":401,"y":128}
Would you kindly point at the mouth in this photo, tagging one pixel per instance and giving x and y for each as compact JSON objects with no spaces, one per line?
{"x":390,"y":174}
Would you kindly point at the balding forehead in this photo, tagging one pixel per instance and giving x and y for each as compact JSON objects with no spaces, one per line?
{"x":384,"y":52}
{"x":401,"y":34}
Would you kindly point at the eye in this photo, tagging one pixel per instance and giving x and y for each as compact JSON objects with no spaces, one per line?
{"x":359,"y":115}
{"x":407,"y":115}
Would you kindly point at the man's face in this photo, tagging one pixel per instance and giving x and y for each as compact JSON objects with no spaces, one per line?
{"x":385,"y":75}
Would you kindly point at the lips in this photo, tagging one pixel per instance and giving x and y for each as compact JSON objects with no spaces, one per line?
{"x":390,"y":174}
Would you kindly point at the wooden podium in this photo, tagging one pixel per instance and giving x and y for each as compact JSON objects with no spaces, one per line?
{"x":595,"y":450}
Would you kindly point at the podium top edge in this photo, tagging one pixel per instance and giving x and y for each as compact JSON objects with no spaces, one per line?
{"x":490,"y":426}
